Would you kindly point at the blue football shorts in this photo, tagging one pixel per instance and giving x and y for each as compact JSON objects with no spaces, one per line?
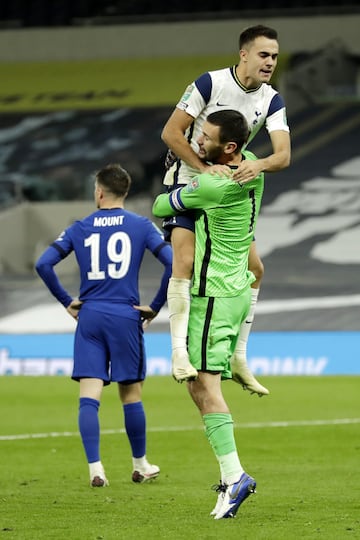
{"x":185,"y":221}
{"x":108,"y":347}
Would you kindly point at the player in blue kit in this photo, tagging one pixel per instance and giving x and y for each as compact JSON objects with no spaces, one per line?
{"x":109,"y":246}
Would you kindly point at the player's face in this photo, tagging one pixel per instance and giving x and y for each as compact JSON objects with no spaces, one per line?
{"x":259,"y":60}
{"x":210,"y":148}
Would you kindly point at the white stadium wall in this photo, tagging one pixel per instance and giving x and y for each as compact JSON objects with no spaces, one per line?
{"x":31,"y":227}
{"x":167,"y":39}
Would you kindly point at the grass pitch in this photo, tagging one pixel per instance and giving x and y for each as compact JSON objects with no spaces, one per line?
{"x":301,"y":443}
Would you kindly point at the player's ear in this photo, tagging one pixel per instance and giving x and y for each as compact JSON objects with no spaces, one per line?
{"x":243,"y":54}
{"x":100,"y":191}
{"x":230,"y":147}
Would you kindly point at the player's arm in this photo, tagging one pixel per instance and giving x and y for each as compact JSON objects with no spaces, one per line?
{"x":190,"y":106}
{"x":280,"y":159}
{"x":279,"y":133}
{"x":164,"y":204}
{"x":147,"y":314}
{"x":163,"y":252}
{"x":173,"y":135}
{"x":45,"y":268}
{"x":74,"y":308}
{"x":201,"y":191}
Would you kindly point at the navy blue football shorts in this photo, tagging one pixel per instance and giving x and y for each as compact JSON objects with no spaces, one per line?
{"x":108,"y":347}
{"x":185,"y":221}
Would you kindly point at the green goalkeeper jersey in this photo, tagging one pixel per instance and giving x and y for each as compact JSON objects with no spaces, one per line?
{"x":225,"y":219}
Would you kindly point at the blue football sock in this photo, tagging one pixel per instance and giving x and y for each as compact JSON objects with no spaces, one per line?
{"x":135,"y":426}
{"x":89,"y":428}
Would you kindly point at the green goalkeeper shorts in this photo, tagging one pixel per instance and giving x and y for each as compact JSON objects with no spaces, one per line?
{"x":214,"y":327}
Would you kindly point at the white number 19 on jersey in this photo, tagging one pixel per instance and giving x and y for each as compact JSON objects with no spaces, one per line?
{"x":118,"y":251}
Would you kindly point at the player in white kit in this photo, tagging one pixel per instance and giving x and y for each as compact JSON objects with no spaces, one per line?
{"x":244,"y":87}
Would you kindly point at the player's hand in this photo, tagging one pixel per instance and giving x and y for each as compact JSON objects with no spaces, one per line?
{"x":219,"y":170}
{"x":170,"y":159}
{"x":246,"y":171}
{"x":74,"y":308}
{"x":147,"y":314}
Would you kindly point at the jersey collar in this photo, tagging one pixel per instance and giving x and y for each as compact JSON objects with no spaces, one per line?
{"x":237,"y":80}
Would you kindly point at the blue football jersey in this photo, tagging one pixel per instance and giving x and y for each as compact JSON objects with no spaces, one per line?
{"x":109,"y":246}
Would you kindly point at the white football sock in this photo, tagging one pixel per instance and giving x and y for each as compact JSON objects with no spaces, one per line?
{"x":178,"y":298}
{"x":241,"y":345}
{"x":96,"y":469}
{"x":140,"y":463}
{"x":230,"y":468}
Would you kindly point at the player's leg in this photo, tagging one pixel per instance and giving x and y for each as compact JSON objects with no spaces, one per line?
{"x":90,"y":369}
{"x":128,"y":369}
{"x":235,"y":484}
{"x":135,"y":427}
{"x":257,"y":268}
{"x":240,"y":369}
{"x":89,"y":427}
{"x":213,"y":328}
{"x":178,"y":298}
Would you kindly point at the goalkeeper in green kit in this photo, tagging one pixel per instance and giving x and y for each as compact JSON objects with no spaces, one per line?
{"x":225,"y":215}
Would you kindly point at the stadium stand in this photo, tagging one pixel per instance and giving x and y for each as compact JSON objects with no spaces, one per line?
{"x":41,"y":13}
{"x":308,"y":244}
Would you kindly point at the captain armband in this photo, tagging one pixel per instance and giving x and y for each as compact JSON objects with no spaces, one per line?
{"x":175,"y":200}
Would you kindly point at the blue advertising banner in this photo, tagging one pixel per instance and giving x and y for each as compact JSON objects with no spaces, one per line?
{"x":304,"y":353}
{"x":270,"y":353}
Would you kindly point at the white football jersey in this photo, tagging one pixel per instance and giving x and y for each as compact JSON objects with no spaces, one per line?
{"x":221,"y":89}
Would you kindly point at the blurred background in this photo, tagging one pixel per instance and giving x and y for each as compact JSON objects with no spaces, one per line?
{"x":87,"y":82}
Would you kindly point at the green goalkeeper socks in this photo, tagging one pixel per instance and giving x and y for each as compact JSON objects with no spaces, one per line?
{"x":219,"y":430}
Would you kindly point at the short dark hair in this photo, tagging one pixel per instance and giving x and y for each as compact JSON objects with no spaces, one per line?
{"x":233,"y":126}
{"x":249,"y":34}
{"x":114,"y":179}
